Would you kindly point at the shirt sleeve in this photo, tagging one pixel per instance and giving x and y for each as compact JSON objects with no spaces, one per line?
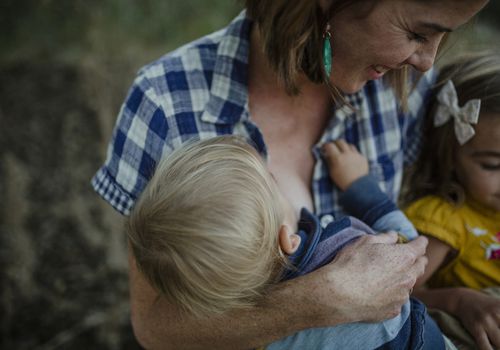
{"x":138,"y":141}
{"x":365,"y":200}
{"x":437,"y":218}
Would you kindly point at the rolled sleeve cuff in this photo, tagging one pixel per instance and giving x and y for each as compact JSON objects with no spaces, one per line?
{"x":365,"y":200}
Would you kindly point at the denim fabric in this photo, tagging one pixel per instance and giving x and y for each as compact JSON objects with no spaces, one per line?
{"x":420,"y":332}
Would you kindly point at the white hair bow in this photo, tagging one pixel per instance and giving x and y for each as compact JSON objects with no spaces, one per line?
{"x":463,"y":117}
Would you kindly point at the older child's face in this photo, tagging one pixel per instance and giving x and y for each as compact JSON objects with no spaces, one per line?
{"x":478,"y":162}
{"x":393,"y":34}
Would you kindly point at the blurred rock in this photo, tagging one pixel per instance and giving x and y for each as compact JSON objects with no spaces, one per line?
{"x":63,"y":262}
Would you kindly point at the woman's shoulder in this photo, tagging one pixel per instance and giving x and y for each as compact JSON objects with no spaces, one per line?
{"x":194,"y":55}
{"x":200,"y":56}
{"x":184,"y":80}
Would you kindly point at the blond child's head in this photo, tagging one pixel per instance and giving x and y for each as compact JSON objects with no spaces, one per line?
{"x":455,"y":169}
{"x":205,"y":232}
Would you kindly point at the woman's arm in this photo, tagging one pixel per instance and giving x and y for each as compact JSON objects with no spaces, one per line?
{"x":368,"y":281}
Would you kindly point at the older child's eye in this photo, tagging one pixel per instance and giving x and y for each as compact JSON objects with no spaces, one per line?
{"x":421,"y":39}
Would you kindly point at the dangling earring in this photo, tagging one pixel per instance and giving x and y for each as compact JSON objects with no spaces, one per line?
{"x":327,"y":50}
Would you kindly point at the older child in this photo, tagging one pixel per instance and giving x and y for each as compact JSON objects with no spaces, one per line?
{"x":455,"y":188}
{"x":212,"y":233}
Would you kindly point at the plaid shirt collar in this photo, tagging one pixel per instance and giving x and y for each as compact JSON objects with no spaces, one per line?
{"x":233,"y":48}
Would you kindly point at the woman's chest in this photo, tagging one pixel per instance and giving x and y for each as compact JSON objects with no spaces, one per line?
{"x":293,"y":133}
{"x":290,"y":128}
{"x":291,"y":160}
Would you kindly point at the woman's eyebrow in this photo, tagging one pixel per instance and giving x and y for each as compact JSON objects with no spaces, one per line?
{"x":435,"y":27}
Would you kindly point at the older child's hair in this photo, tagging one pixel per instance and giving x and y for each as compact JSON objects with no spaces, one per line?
{"x":475,"y":76}
{"x":205,"y":230}
{"x":292,"y":36}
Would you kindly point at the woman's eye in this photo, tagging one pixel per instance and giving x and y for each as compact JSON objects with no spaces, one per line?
{"x":421,"y":39}
{"x":488,"y":166}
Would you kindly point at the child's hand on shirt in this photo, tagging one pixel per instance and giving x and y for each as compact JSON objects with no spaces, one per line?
{"x":345,"y":163}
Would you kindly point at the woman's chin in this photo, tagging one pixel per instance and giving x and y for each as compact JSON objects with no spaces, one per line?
{"x":351,"y":87}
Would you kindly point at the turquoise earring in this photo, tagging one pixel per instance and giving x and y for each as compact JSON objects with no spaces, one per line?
{"x":327,"y":50}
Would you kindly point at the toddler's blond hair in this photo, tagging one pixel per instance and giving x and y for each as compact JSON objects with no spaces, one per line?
{"x":205,"y":230}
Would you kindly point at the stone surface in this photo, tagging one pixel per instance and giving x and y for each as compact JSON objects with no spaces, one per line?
{"x":63,"y":276}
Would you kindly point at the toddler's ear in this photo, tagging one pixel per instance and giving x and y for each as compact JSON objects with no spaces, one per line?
{"x":289,"y":240}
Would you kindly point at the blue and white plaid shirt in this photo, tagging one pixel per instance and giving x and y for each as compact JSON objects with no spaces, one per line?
{"x":200,"y":91}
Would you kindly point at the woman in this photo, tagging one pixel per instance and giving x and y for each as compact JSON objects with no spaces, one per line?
{"x":268,"y":80}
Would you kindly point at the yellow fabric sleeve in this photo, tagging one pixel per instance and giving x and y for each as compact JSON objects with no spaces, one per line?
{"x":437,"y":218}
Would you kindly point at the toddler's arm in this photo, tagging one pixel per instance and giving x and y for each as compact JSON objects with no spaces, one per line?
{"x":362,"y":196}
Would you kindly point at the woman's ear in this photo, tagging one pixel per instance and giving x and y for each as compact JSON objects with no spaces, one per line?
{"x":289,"y":241}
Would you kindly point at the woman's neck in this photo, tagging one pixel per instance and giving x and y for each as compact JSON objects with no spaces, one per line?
{"x":261,"y":74}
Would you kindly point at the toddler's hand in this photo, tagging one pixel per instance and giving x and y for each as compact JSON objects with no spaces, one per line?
{"x":345,"y":163}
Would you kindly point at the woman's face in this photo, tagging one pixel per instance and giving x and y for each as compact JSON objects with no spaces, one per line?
{"x":367,"y":43}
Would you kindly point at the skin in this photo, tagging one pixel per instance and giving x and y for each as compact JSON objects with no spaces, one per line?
{"x":394,"y":33}
{"x":478,"y":170}
{"x":345,"y":163}
{"x":369,"y":280}
{"x":478,"y":162}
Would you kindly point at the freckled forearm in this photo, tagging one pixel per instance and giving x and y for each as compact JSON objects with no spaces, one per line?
{"x":158,"y":325}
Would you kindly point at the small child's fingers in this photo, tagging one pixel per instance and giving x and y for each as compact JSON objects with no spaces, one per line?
{"x":342,"y":145}
{"x":353,"y":147}
{"x":330,"y":150}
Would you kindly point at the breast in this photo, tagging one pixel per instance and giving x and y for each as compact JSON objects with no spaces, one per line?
{"x":293,"y":172}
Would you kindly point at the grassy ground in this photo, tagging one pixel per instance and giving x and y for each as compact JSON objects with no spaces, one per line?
{"x":65,"y":67}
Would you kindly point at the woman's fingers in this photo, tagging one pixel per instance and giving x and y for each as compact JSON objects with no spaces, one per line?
{"x":385,"y":238}
{"x":418,"y":245}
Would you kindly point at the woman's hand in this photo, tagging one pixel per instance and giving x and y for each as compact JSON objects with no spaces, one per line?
{"x":480,"y":315}
{"x":368,"y":281}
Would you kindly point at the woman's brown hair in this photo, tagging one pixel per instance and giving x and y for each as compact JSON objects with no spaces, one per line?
{"x":292,"y":38}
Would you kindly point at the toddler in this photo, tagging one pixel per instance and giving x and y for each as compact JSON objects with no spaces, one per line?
{"x":454,"y":193}
{"x":212,"y":232}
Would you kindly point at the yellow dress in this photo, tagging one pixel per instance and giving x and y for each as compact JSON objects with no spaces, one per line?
{"x":472,"y":230}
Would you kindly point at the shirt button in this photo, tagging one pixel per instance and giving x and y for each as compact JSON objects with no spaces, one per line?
{"x":326,"y":219}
